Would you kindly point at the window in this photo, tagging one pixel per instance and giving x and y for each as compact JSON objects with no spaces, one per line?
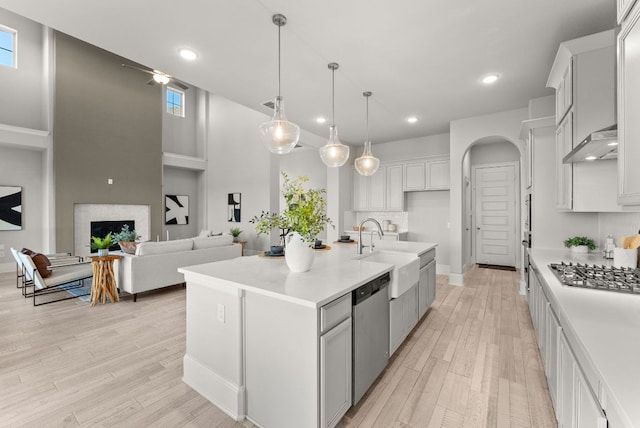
{"x":7,"y":46}
{"x":175,"y":102}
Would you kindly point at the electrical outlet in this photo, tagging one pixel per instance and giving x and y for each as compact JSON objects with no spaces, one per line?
{"x":221,"y":312}
{"x":448,"y":225}
{"x":109,"y":180}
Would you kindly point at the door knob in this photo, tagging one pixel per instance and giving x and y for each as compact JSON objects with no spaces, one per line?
{"x":478,"y":228}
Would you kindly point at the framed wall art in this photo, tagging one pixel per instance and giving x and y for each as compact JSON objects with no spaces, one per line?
{"x":234,"y":207}
{"x":10,"y":208}
{"x":176,"y":209}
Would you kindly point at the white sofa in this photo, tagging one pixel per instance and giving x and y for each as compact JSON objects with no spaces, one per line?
{"x":155,"y":264}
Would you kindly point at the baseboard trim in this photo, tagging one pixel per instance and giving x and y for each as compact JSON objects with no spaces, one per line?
{"x":230,"y":398}
{"x":456,"y":279}
{"x":523,"y":287}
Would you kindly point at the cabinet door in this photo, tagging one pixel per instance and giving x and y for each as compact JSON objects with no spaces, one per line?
{"x":396,"y":323}
{"x":335,"y":373}
{"x":395,"y":192}
{"x":423,"y":291}
{"x":410,"y":309}
{"x":438,"y":175}
{"x":588,"y":412}
{"x":528,"y":164}
{"x":359,"y":192}
{"x":566,"y":363}
{"x":431,"y":289}
{"x":377,"y":193}
{"x":564,"y":172}
{"x":414,"y":176}
{"x":553,"y":333}
{"x":629,"y":110}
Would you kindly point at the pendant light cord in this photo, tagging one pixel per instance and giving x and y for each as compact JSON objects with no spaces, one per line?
{"x":333,"y":97}
{"x":367,"y":118}
{"x":279,"y":27}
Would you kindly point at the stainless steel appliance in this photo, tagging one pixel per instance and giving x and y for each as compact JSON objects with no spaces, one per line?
{"x":370,"y":333}
{"x":624,"y":280}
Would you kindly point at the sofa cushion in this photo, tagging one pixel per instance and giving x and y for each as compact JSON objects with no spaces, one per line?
{"x":151,"y":248}
{"x":212,"y":241}
{"x":204,"y":233}
{"x":42,"y":264}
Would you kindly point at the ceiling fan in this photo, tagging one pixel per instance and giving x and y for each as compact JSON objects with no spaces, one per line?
{"x":158,"y":77}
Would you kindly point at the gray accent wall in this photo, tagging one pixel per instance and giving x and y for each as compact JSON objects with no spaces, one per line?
{"x":107,"y":124}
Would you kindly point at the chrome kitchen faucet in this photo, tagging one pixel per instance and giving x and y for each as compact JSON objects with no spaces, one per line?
{"x":380,"y":233}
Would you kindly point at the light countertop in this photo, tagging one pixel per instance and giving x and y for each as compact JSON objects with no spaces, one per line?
{"x":607,"y":327}
{"x":333,"y":273}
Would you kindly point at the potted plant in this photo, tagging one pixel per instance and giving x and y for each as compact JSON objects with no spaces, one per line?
{"x":580,"y":244}
{"x":126,"y":239}
{"x":102,"y":244}
{"x":303,"y":219}
{"x":235,"y":231}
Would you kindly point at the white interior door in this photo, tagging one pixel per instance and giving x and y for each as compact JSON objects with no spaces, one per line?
{"x":495,"y":208}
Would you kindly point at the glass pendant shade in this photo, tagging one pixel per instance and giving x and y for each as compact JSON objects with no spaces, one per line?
{"x":279,"y":135}
{"x":334,"y":153}
{"x":367,"y":164}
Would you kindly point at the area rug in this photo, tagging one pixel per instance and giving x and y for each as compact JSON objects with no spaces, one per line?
{"x":82,"y":293}
{"x":498,"y":267}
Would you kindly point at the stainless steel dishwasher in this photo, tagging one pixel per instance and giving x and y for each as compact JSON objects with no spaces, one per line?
{"x":370,"y":333}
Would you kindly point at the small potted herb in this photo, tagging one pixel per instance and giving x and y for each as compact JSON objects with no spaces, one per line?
{"x":580,"y":244}
{"x":235,"y":231}
{"x":127,"y":239}
{"x":102,"y":244}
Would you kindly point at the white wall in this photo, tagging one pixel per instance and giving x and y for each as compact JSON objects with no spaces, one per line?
{"x":493,"y":152}
{"x":23,"y":168}
{"x":464,"y":133}
{"x":431,"y":145}
{"x":182,"y":182}
{"x":179,"y":133}
{"x":24,"y":100}
{"x":617,"y":224}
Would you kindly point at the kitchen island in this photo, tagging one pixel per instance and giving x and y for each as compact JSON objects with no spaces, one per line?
{"x":594,"y":351}
{"x":273,"y":346}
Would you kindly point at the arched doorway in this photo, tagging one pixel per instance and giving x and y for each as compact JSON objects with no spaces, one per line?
{"x":490,"y":205}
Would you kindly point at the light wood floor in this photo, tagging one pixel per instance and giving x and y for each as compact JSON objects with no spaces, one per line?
{"x":472,"y":361}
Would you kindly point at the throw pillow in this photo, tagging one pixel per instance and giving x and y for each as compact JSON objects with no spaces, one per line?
{"x":27,"y":251}
{"x":42,"y":263}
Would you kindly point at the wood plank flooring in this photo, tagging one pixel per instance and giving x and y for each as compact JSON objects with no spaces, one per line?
{"x":471,"y":362}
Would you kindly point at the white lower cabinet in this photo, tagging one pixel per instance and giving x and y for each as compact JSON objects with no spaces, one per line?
{"x":403,"y":314}
{"x":335,"y":373}
{"x":574,"y":402}
{"x":426,"y":287}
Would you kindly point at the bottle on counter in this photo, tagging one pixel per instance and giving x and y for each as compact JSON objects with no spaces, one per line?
{"x":608,"y":247}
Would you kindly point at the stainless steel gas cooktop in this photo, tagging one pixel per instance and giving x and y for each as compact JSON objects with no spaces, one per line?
{"x":624,"y":280}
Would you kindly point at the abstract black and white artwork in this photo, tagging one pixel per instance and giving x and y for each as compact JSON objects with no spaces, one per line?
{"x":10,"y":208}
{"x":176,"y":209}
{"x":234,"y":207}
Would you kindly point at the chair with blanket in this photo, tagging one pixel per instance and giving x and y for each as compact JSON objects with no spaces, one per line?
{"x":57,"y":259}
{"x":55,"y":279}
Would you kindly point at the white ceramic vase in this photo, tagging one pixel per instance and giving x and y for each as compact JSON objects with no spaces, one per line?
{"x":298,"y":254}
{"x":580,"y":249}
{"x":102,"y":252}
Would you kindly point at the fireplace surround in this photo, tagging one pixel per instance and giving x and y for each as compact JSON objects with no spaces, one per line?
{"x":85,"y":214}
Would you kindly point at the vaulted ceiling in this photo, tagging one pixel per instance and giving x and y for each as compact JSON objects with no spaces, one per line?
{"x":418,"y":57}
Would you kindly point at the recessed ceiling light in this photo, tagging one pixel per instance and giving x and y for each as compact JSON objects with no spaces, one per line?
{"x":490,"y":78}
{"x":412,"y":119}
{"x":187,"y":54}
{"x":590,"y":158}
{"x":321,"y":119}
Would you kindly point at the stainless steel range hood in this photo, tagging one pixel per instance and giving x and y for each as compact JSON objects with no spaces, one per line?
{"x":599,"y":145}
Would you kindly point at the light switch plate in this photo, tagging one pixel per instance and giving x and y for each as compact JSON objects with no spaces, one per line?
{"x":221,"y":312}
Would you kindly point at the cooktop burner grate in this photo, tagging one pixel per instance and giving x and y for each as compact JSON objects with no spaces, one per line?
{"x":624,"y":280}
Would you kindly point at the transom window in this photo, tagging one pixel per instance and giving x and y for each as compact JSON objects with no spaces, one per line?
{"x":175,"y":102}
{"x":8,"y":46}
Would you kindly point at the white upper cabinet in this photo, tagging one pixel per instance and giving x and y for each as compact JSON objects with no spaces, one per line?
{"x":377,"y":190}
{"x":427,"y":174}
{"x":414,"y":176}
{"x":395,"y":193}
{"x":629,"y":109}
{"x":583,"y":75}
{"x":381,"y":191}
{"x":623,"y":7}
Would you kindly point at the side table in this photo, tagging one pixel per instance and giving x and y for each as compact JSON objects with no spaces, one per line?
{"x":104,"y":281}
{"x":243,"y":243}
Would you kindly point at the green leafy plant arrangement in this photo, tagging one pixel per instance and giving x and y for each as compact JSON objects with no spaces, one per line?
{"x":102,"y":243}
{"x":306,"y":211}
{"x":235,"y":231}
{"x":580,"y":240}
{"x":125,"y":235}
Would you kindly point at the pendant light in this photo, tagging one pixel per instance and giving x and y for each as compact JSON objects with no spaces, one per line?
{"x":367,"y":164}
{"x":279,"y":135}
{"x":334,"y":153}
